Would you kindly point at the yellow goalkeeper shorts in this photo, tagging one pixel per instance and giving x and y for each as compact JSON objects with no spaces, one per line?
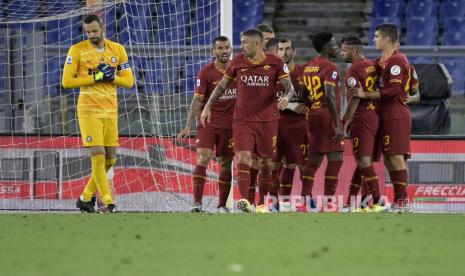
{"x":98,"y":131}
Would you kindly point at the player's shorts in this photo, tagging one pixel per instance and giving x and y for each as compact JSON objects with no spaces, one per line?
{"x":395,"y":136}
{"x":209,"y":137}
{"x":292,"y":141}
{"x":321,"y":134}
{"x":364,"y":135}
{"x":256,"y":137}
{"x":98,"y":131}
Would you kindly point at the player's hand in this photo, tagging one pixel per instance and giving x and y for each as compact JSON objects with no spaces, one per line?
{"x":412,"y":99}
{"x":357,"y":92}
{"x":205,"y":116}
{"x":339,"y":136}
{"x":107,"y":70}
{"x":301,"y":109}
{"x":282,"y":103}
{"x":183,"y":134}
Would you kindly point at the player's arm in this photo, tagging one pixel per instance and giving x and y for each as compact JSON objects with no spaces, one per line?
{"x":125,"y":77}
{"x":302,"y":99}
{"x":330,"y":95}
{"x":350,"y":111}
{"x":414,"y":93}
{"x":70,"y":69}
{"x":191,"y":114}
{"x":288,"y":92}
{"x":216,"y":94}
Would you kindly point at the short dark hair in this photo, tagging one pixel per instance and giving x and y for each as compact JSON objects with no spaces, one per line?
{"x":320,"y":39}
{"x":351,"y":40}
{"x":91,"y":18}
{"x":272,"y":44}
{"x":253,"y":32}
{"x":389,"y":30}
{"x":220,"y":38}
{"x":286,"y":40}
{"x":265,"y":28}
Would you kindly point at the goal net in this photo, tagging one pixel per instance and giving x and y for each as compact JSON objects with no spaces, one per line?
{"x":43,"y":165}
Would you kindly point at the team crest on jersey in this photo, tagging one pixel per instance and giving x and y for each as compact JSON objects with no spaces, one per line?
{"x":285,"y":68}
{"x":334,"y":75}
{"x":69,"y":60}
{"x":266,"y":67}
{"x":351,"y":82}
{"x":198,"y":82}
{"x":113,"y":59}
{"x":395,"y":70}
{"x":102,"y":59}
{"x":89,"y":138}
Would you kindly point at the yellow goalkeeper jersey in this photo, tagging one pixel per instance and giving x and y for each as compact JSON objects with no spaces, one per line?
{"x":96,"y":99}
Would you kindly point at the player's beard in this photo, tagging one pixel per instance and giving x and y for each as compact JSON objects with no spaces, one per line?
{"x":96,"y":40}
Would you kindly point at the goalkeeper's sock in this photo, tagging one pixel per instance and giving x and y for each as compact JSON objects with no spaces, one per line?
{"x":224,"y":183}
{"x":286,"y":179}
{"x":99,"y":176}
{"x":199,"y":177}
{"x":109,"y":162}
{"x":264,"y":183}
{"x":243,"y":179}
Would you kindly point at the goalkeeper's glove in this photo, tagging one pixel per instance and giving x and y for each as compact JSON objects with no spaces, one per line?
{"x":108,"y":72}
{"x":98,"y":76}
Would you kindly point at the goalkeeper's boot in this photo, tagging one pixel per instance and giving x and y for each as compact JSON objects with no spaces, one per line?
{"x":223,"y":210}
{"x":262,"y":209}
{"x":85,"y":206}
{"x":197,"y":208}
{"x":244,"y":206}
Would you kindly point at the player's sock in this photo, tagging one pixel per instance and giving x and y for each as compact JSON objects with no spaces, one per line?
{"x":264,"y":183}
{"x":224,"y":183}
{"x":109,"y":162}
{"x":331,"y":177}
{"x":91,"y":188}
{"x":286,"y":179}
{"x":399,"y":181}
{"x":307,"y":177}
{"x":243,"y":179}
{"x":274,"y":187}
{"x":99,"y":176}
{"x":370,"y":179}
{"x":253,"y":184}
{"x":354,"y":186}
{"x":198,"y":178}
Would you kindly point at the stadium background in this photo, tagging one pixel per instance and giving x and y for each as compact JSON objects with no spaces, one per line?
{"x":42,"y":164}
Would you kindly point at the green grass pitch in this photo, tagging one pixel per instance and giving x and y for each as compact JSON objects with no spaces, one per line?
{"x":248,"y":244}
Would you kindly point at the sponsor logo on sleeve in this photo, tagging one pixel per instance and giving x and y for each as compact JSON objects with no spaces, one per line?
{"x":69,"y":60}
{"x":334,"y":75}
{"x":395,"y":70}
{"x":352,"y":82}
{"x":124,"y":66}
{"x":89,"y":138}
{"x":198,"y":82}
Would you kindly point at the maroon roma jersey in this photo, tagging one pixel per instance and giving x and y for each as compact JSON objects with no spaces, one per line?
{"x":296,"y":77}
{"x":318,"y":72}
{"x":394,"y":80}
{"x":223,"y":109}
{"x":256,"y":87}
{"x":363,"y":73}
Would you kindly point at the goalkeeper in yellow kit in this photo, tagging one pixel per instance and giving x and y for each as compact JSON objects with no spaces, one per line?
{"x":97,"y":66}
